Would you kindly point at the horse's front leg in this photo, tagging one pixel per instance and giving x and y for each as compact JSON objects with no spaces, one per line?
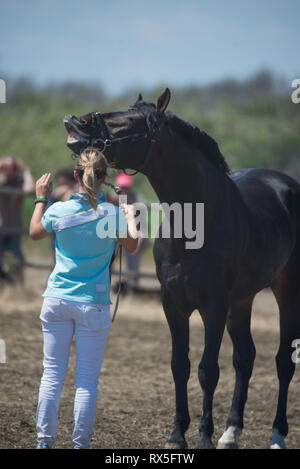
{"x":238,"y":326}
{"x":214,"y":322}
{"x":180,"y":364}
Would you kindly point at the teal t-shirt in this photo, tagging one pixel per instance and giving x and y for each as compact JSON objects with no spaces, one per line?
{"x":84,"y":245}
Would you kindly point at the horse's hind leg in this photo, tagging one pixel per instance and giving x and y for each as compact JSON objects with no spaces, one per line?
{"x":238,"y":326}
{"x":287,"y":293}
{"x":180,"y":364}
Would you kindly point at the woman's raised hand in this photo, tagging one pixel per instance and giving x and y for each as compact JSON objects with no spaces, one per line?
{"x":43,"y":187}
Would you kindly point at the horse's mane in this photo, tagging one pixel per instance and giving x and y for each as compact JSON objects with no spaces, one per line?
{"x":197,"y":137}
{"x":194,"y":136}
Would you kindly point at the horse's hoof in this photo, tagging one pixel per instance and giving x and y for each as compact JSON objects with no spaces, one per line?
{"x":227,"y":446}
{"x":205,"y":444}
{"x":229,"y":439}
{"x":176,"y":445}
{"x":278,"y":441}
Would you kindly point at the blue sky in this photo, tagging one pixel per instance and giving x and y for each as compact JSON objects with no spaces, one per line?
{"x":122,"y":44}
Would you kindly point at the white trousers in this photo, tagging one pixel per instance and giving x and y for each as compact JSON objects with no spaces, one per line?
{"x":90,"y":324}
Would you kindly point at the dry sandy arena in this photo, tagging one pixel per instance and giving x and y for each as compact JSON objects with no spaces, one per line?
{"x":136,"y":399}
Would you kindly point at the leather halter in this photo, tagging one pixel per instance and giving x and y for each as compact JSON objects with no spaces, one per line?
{"x":108,"y":140}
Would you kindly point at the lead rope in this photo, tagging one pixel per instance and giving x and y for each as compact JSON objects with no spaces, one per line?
{"x":118,"y":249}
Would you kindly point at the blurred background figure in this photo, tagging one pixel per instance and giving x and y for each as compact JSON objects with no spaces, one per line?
{"x":133,"y":260}
{"x":65,"y":186}
{"x":15,"y":181}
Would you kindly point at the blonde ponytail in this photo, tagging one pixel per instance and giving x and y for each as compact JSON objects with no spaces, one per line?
{"x":91,"y":167}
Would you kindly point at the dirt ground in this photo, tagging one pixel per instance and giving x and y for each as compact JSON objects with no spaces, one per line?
{"x":136,"y":398}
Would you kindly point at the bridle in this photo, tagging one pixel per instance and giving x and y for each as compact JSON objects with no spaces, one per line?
{"x":106,"y":140}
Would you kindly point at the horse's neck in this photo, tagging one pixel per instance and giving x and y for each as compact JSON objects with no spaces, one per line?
{"x":180,"y":175}
{"x":177,"y":175}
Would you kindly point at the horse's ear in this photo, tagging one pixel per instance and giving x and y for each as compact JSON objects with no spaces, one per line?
{"x":163,"y":101}
{"x":139,"y":100}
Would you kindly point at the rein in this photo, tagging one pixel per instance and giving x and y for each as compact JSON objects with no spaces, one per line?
{"x":117,"y":249}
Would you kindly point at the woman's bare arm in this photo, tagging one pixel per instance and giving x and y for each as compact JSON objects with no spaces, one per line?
{"x":43,"y":189}
{"x":130,"y":242}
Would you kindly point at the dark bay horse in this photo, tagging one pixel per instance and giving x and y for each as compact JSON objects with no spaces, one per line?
{"x":251,"y":241}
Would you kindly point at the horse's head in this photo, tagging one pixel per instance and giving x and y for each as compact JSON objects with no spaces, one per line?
{"x":125,"y":138}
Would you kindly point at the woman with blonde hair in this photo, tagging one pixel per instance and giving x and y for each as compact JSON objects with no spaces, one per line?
{"x":76,"y":300}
